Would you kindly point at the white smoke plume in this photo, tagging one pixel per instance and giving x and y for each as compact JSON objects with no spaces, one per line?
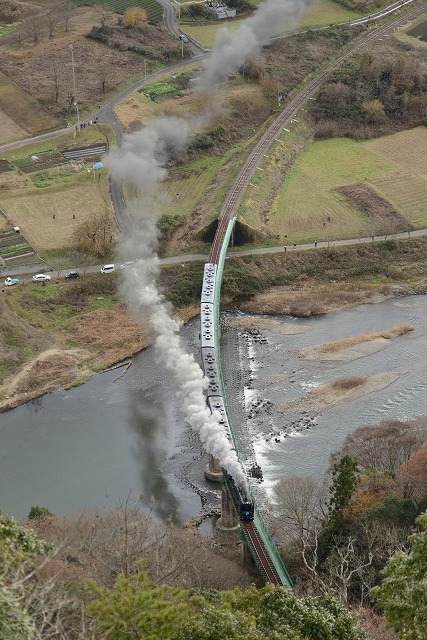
{"x":141,"y":161}
{"x":233,"y":49}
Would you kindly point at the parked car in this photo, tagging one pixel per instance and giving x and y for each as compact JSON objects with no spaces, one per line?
{"x":184,"y":38}
{"x":10,"y":281}
{"x":41,"y":277}
{"x":72,"y":275}
{"x":107,"y":268}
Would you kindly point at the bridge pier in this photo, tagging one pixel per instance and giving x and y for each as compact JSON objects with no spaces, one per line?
{"x":228,"y":522}
{"x":213,"y":470}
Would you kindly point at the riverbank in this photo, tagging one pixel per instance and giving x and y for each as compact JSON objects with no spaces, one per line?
{"x":105,"y":337}
{"x":44,"y":357}
{"x":57,"y":336}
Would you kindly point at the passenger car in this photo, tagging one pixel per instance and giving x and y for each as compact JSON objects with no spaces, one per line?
{"x":107,"y":268}
{"x":41,"y":277}
{"x":71,"y":275}
{"x":10,"y":281}
{"x":184,"y":38}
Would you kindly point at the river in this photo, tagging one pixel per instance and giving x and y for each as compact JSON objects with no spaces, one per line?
{"x":122,"y":434}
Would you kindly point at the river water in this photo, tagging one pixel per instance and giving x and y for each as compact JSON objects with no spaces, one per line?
{"x":122,"y":435}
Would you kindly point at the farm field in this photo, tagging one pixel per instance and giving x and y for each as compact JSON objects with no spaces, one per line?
{"x":26,"y":113}
{"x":205,"y":34}
{"x":323,"y":13}
{"x":327,"y":12}
{"x":68,"y":194}
{"x":154,"y":9}
{"x":10,"y":130}
{"x":30,"y":200}
{"x":306,"y":205}
{"x":137,"y":108}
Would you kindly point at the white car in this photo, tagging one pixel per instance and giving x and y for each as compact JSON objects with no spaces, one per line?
{"x":10,"y":281}
{"x":107,"y":268}
{"x":41,"y":277}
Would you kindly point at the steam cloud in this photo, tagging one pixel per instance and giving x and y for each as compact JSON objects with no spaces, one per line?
{"x":233,"y":48}
{"x":141,"y":161}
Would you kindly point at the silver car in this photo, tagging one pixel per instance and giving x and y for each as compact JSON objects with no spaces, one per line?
{"x":41,"y":277}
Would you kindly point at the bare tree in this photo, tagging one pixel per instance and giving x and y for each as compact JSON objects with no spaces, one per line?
{"x":51,"y":19}
{"x":103,"y":74}
{"x":299,"y":509}
{"x":67,"y":10}
{"x":56,"y":75}
{"x":386,"y":446}
{"x":104,"y":15}
{"x":95,"y":235}
{"x":35,"y":28}
{"x":18,"y":36}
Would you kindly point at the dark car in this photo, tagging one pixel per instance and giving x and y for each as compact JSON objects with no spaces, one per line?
{"x":72,"y":275}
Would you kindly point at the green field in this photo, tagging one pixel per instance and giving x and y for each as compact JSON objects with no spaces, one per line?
{"x":321,"y":14}
{"x":327,"y":12}
{"x":153,"y":9}
{"x":306,"y":206}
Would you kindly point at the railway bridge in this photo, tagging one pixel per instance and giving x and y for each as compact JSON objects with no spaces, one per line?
{"x":258,"y":542}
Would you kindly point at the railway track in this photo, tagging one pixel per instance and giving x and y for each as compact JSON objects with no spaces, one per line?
{"x":229,"y":211}
{"x":235,"y":195}
{"x":258,"y":549}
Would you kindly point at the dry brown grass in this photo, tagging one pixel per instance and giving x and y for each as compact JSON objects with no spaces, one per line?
{"x":33,"y":209}
{"x":388,"y":334}
{"x":344,"y":384}
{"x":340,"y":391}
{"x":110,"y":334}
{"x":49,"y":371}
{"x":303,"y":304}
{"x":9,"y":130}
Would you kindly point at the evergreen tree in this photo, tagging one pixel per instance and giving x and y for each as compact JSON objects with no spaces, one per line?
{"x":403,"y":592}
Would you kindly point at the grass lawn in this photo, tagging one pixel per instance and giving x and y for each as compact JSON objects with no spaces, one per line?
{"x":306,"y":207}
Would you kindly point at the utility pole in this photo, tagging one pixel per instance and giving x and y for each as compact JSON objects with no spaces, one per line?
{"x":74,"y":87}
{"x":182,"y":48}
{"x":145,"y":70}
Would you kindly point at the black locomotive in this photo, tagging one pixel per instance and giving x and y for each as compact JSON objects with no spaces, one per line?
{"x":241,"y":498}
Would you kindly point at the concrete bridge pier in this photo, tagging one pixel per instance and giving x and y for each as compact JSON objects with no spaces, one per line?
{"x":229,"y":521}
{"x":213,"y":470}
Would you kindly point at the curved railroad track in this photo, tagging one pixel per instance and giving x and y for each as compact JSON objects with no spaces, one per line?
{"x":235,"y":195}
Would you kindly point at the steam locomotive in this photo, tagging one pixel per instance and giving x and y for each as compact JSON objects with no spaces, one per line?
{"x":240,"y":495}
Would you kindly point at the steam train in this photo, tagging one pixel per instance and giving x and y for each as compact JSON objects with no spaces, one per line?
{"x":240,"y":496}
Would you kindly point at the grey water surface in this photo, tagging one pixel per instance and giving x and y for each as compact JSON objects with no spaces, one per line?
{"x":96,"y":445}
{"x":273,"y":372}
{"x":123,"y":435}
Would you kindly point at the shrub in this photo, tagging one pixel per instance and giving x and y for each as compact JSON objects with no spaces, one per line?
{"x":37,"y":511}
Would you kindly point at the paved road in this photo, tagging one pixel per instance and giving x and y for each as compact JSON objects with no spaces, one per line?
{"x":25,"y":272}
{"x":105,"y":114}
